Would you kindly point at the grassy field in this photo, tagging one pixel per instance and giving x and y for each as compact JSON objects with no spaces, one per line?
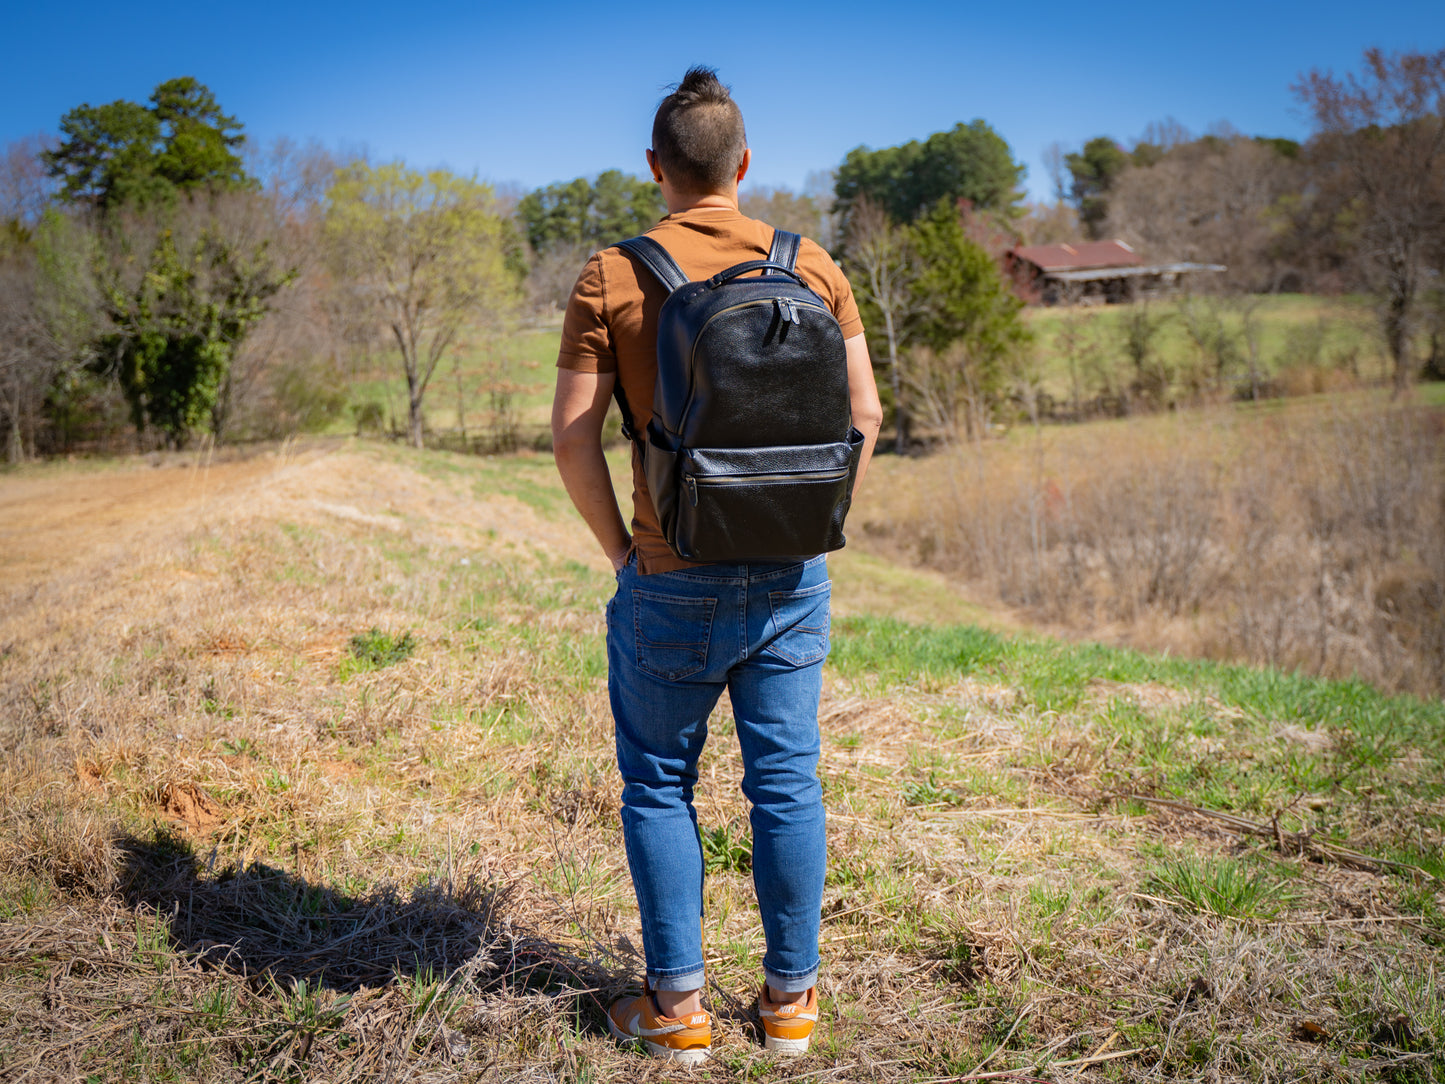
{"x":505,"y":386}
{"x":1303,"y":532}
{"x":1301,"y":344}
{"x":307,"y":775}
{"x":1306,"y":345}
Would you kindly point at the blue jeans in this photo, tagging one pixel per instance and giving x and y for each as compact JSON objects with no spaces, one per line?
{"x":675,"y":640}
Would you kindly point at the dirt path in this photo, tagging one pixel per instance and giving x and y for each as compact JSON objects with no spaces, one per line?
{"x":60,"y":514}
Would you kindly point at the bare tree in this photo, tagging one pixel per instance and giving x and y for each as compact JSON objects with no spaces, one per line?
{"x":426,"y":250}
{"x":25,"y":186}
{"x":1053,"y":156}
{"x":785,"y":209}
{"x":1166,"y":134}
{"x":553,"y":273}
{"x":949,"y":390}
{"x":1048,"y":223}
{"x":1211,"y":201}
{"x":289,"y":375}
{"x":883,"y":273}
{"x":49,"y":317}
{"x":1384,"y":131}
{"x":23,"y":371}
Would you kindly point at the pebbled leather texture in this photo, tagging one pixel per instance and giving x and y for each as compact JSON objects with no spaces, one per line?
{"x":750,"y":453}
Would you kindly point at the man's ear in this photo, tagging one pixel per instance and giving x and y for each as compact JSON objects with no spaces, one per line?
{"x":745,"y":163}
{"x":652,"y":165}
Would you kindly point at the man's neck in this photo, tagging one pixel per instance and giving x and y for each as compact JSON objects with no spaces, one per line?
{"x":677,"y":202}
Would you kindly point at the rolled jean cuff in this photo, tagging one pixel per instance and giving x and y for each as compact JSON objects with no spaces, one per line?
{"x":794,"y":983}
{"x":678,"y":981}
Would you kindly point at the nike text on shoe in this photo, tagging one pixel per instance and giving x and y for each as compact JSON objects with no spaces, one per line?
{"x":686,"y":1038}
{"x":788,"y":1028}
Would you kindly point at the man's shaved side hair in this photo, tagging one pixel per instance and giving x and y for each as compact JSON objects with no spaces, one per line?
{"x":698,"y":134}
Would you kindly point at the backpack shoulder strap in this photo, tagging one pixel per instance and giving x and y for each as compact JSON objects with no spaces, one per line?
{"x":656,"y":259}
{"x":785,"y":248}
{"x":664,"y":268}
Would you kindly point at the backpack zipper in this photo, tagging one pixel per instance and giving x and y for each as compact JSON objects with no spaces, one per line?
{"x":693,"y":481}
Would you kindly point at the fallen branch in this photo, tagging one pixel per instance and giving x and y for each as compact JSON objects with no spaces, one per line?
{"x":1303,"y":843}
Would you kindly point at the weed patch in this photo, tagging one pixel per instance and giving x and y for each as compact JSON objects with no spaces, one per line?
{"x":375,"y":649}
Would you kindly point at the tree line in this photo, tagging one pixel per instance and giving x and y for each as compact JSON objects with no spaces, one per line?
{"x":159,"y":272}
{"x":1358,"y":208}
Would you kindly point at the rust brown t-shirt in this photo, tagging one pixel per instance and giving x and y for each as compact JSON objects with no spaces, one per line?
{"x":611,"y":324}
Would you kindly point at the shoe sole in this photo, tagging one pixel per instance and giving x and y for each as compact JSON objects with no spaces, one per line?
{"x":792,"y":1047}
{"x":695,"y":1056}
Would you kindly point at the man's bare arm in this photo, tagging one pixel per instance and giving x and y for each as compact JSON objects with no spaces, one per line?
{"x":863,"y":395}
{"x":578,"y":410}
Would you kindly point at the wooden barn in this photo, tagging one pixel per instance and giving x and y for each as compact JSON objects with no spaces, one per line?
{"x":1095,"y":272}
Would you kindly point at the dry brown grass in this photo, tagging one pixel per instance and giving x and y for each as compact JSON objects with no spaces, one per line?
{"x":227,"y":852}
{"x":1306,"y":537}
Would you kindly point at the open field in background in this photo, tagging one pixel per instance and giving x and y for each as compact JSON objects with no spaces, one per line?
{"x":1305,"y":344}
{"x":1307,"y":534}
{"x":505,"y":392}
{"x":307,"y":774}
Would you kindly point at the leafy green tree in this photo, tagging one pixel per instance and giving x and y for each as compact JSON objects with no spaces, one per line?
{"x":1094,"y":170}
{"x":590,"y":213}
{"x":428,"y":253}
{"x":199,"y":143}
{"x":176,"y":325}
{"x":963,"y":321}
{"x":125,"y":153}
{"x":969,"y":161}
{"x":181,"y":276}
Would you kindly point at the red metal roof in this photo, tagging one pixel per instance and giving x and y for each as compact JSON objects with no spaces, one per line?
{"x":1085,"y":255}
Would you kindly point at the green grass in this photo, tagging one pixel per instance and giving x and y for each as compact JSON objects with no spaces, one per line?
{"x":1294,"y":329}
{"x":727,"y":848}
{"x":376,"y":649}
{"x":1221,"y":887}
{"x":520,"y":365}
{"x":883,"y":653}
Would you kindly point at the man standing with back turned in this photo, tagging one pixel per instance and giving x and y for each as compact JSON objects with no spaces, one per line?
{"x":678,"y":632}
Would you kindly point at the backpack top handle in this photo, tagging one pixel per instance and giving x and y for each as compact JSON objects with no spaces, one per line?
{"x":753,"y":265}
{"x":781,"y":257}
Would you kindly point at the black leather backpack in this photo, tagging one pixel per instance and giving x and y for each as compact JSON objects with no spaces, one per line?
{"x":751,"y":452}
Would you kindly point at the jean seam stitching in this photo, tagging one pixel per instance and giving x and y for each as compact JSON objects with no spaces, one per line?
{"x":709,"y":604}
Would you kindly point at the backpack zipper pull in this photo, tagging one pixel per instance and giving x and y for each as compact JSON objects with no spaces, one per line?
{"x":691,"y":488}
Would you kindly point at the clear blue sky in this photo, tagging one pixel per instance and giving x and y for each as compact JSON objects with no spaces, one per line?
{"x":532,"y":93}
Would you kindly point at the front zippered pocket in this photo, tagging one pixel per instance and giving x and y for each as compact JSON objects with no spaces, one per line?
{"x":741,"y":504}
{"x":693,"y":482}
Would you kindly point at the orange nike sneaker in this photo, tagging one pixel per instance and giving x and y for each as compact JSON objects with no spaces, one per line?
{"x":788,"y":1028}
{"x":687,"y":1039}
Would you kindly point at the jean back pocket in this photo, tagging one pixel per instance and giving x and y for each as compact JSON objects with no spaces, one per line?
{"x":672,"y":633}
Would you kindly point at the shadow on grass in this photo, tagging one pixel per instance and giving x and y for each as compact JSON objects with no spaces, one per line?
{"x":264,"y":922}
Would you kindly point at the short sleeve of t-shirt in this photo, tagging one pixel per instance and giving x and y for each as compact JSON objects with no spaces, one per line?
{"x":815,"y":264}
{"x":587,"y":345}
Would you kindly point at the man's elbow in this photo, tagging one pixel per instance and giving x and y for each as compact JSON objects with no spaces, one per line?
{"x":868,"y":417}
{"x":574,"y":437}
